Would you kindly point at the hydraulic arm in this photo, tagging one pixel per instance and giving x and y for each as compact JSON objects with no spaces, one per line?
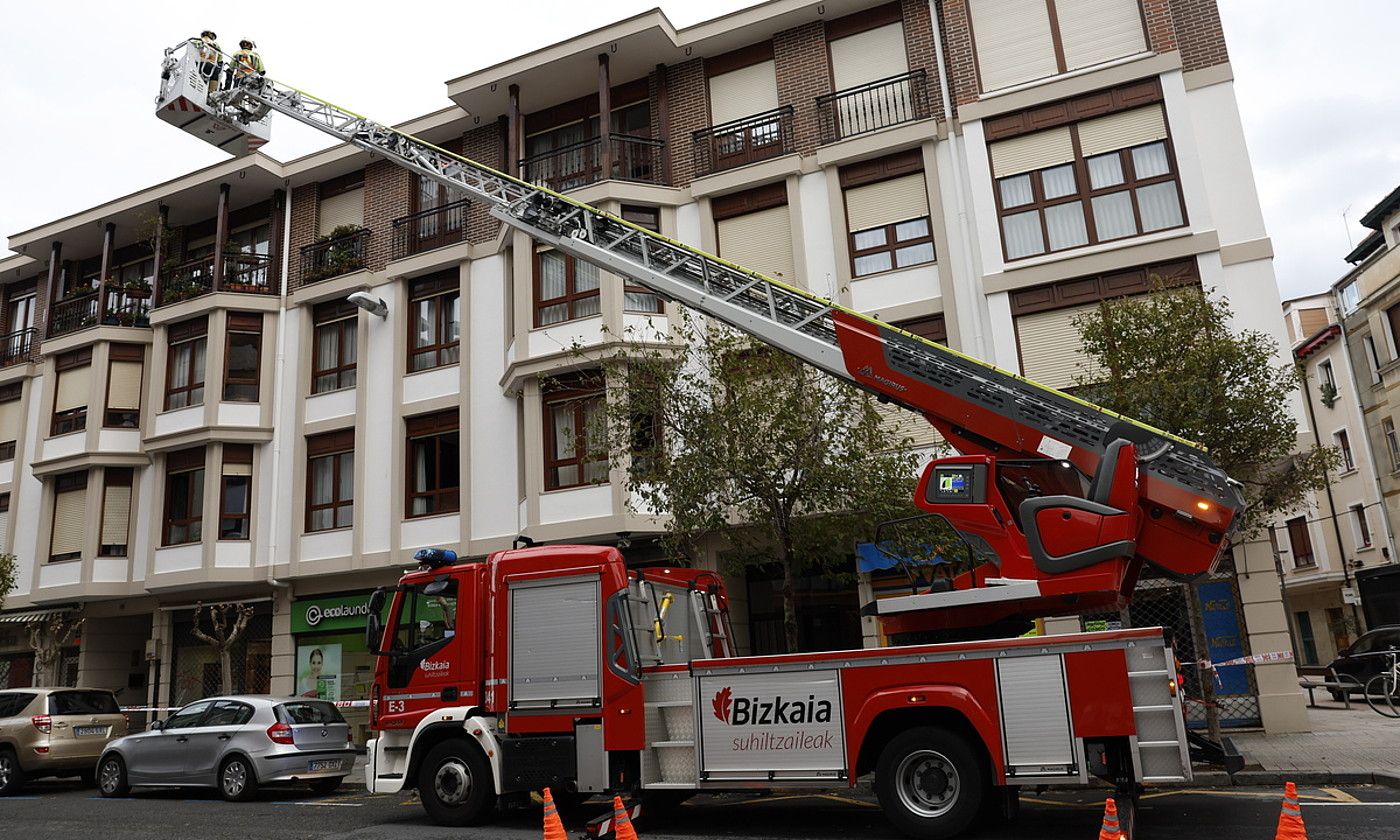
{"x":1047,"y":539}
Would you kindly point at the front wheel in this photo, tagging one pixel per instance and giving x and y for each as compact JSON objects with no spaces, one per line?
{"x":1383,"y":694}
{"x":111,"y":777}
{"x":454,"y":784}
{"x":11,"y":776}
{"x":930,"y":782}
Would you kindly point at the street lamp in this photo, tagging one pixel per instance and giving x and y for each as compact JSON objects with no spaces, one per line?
{"x":370,"y":303}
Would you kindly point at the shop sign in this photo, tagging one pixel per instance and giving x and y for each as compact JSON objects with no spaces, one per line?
{"x":336,"y":613}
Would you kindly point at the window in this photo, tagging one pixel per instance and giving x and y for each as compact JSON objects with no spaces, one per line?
{"x":116,"y":512}
{"x":754,"y":230}
{"x":1326,"y":376}
{"x":184,"y":384}
{"x":574,"y":451}
{"x":125,"y":369}
{"x":19,"y":314}
{"x":1344,"y":447}
{"x":236,"y":491}
{"x":434,"y":477}
{"x":436,"y":308}
{"x":1392,"y":317}
{"x":933,"y":328}
{"x":187,"y":717}
{"x":341,"y":203}
{"x":1361,"y":529}
{"x":1305,"y":637}
{"x":1093,"y":181}
{"x":1373,"y":361}
{"x":639,"y":298}
{"x":429,"y":195}
{"x":69,"y":516}
{"x":1351,"y":297}
{"x":243,"y":357}
{"x":1392,"y":443}
{"x":11,"y":419}
{"x":1301,"y":542}
{"x":887,"y":213}
{"x":334,"y":351}
{"x":228,"y":713}
{"x":565,"y":289}
{"x":330,"y":486}
{"x":1019,"y":41}
{"x":184,"y":497}
{"x":4,"y":520}
{"x":72,"y":394}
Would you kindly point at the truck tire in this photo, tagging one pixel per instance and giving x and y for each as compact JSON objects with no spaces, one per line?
{"x":455,"y":785}
{"x":930,"y":782}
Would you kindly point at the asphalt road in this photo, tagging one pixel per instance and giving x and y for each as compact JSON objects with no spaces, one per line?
{"x":66,"y":811}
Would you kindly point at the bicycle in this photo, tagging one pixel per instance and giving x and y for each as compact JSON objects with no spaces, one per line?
{"x":1386,"y":687}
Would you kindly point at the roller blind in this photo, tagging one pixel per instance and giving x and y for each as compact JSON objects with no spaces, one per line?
{"x":895,"y":200}
{"x":759,"y":241}
{"x":903,"y":423}
{"x":238,"y":469}
{"x":1121,"y":130}
{"x":124,"y":390}
{"x":9,"y":420}
{"x":73,"y":388}
{"x":69,"y":521}
{"x":347,"y":208}
{"x":1051,"y":352}
{"x":868,"y":56}
{"x":1013,"y":41}
{"x":1032,"y":151}
{"x":1094,"y":31}
{"x":116,"y":515}
{"x":743,"y":92}
{"x":4,"y":528}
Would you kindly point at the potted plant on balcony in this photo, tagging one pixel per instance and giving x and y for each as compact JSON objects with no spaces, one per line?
{"x":181,"y":288}
{"x":136,"y":290}
{"x":341,"y":252}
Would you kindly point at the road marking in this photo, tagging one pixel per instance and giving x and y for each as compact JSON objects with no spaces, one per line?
{"x":846,"y":800}
{"x":1357,"y":804}
{"x":1083,"y":806}
{"x":1250,"y":794}
{"x":1340,"y":795}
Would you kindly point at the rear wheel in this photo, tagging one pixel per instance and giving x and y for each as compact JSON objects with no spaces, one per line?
{"x":321,"y":787}
{"x":930,"y":782}
{"x":11,"y":776}
{"x":1383,"y":693}
{"x":454,"y":783}
{"x":111,"y":777}
{"x":237,"y":783}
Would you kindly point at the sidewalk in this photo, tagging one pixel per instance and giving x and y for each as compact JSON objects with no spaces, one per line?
{"x":1344,"y":746}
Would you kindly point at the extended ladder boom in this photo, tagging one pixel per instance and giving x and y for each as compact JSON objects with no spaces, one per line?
{"x":978,"y":407}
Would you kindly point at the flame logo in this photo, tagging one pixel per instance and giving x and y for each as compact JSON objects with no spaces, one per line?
{"x":722,"y":704}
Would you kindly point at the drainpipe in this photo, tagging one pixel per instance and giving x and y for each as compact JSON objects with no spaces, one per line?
{"x":1331,"y":500}
{"x":278,"y":433}
{"x":977,"y":346}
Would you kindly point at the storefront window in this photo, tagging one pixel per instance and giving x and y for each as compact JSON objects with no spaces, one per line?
{"x":198,"y":668}
{"x":332,"y":661}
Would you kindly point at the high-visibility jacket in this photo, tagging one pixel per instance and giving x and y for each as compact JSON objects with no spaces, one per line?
{"x":248,"y":61}
{"x":209,"y":51}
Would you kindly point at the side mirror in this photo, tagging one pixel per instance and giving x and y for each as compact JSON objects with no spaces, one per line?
{"x":155,"y":726}
{"x":374,"y":628}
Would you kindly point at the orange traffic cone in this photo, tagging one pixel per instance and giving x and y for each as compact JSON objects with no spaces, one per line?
{"x":1110,"y":831}
{"x":1290,"y":821}
{"x":553,"y":828}
{"x":622,"y":824}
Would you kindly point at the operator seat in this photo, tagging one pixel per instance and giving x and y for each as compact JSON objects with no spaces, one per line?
{"x":1065,"y":533}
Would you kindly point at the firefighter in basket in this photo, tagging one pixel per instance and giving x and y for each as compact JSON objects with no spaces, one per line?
{"x":211,"y":58}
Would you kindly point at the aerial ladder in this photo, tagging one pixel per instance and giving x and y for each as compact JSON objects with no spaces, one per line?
{"x":1060,"y":503}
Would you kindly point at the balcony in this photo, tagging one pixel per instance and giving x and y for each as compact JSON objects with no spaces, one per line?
{"x":17,"y":347}
{"x":429,"y":229}
{"x":740,"y":142}
{"x":111,"y":305}
{"x":871,"y":107}
{"x":636,"y":159}
{"x":335,"y":256}
{"x":243,"y":274}
{"x":77,"y":311}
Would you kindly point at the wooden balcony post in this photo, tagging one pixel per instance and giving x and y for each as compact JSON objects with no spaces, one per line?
{"x":605,"y":155}
{"x":158,"y":258}
{"x":220,"y":239}
{"x":663,"y":116}
{"x":55,"y":280}
{"x":513,"y":132}
{"x":109,"y":232}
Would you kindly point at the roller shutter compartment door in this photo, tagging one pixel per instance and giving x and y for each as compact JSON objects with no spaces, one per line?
{"x":1051,"y":351}
{"x":69,"y":522}
{"x":744,"y":92}
{"x":886,"y":202}
{"x":1095,"y":31}
{"x":554,"y":653}
{"x":1013,"y":42}
{"x":347,"y":208}
{"x":761,"y":242}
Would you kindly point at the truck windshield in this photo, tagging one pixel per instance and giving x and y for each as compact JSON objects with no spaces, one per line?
{"x":427,"y":619}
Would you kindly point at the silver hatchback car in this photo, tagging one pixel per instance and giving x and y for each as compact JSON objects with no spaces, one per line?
{"x":234,"y":744}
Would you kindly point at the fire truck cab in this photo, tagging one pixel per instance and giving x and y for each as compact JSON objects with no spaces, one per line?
{"x":558,"y":666}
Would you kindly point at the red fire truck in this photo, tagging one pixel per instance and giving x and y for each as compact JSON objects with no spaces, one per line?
{"x":559,"y":666}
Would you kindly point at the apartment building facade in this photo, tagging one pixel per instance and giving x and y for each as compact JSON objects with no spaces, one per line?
{"x":978,"y":171}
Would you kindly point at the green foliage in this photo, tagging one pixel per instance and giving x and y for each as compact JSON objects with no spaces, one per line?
{"x":769,"y":459}
{"x":344,"y":253}
{"x":9,"y":574}
{"x":1171,"y":358}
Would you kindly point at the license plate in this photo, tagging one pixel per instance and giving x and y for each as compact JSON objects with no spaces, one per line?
{"x":83,"y":731}
{"x":324,"y":764}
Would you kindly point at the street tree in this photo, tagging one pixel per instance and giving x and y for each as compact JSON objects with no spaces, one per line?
{"x":47,"y":638}
{"x":744,"y":448}
{"x":226,"y":623}
{"x":9,"y":575}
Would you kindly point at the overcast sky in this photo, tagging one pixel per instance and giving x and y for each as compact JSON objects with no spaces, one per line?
{"x":78,"y":79}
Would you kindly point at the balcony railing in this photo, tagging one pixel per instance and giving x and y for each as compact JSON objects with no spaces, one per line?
{"x":17,"y":347}
{"x":128,"y":307}
{"x":334,"y":257}
{"x":579,"y":164}
{"x":755,"y":138}
{"x":429,"y":229}
{"x":873,"y":106}
{"x":243,"y":274}
{"x":73,"y":313}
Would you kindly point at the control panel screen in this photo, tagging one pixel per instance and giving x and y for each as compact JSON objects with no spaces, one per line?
{"x":954,"y":483}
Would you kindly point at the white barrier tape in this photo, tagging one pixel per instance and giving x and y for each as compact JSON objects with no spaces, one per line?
{"x":340,"y":704}
{"x":1255,"y":659}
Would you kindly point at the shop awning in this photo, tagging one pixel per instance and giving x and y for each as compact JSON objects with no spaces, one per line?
{"x":30,"y":615}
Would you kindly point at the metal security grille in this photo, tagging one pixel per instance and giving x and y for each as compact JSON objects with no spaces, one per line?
{"x":197,"y":670}
{"x":1164,"y":603}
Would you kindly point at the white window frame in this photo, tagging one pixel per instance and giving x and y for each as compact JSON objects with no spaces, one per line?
{"x":1392,"y":442}
{"x":1349,"y":456}
{"x":1358,"y":511}
{"x":1373,"y":361}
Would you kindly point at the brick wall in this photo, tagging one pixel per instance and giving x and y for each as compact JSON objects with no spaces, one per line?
{"x":388,"y":196}
{"x":690,"y":112}
{"x":484,"y":145}
{"x":918,"y":46}
{"x":1161,"y":31}
{"x":1198,"y":33}
{"x":305,"y":206}
{"x":957,"y":51}
{"x":803,"y":67}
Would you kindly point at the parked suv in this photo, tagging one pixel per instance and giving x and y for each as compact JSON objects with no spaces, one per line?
{"x":1364,"y":659}
{"x":55,"y":732}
